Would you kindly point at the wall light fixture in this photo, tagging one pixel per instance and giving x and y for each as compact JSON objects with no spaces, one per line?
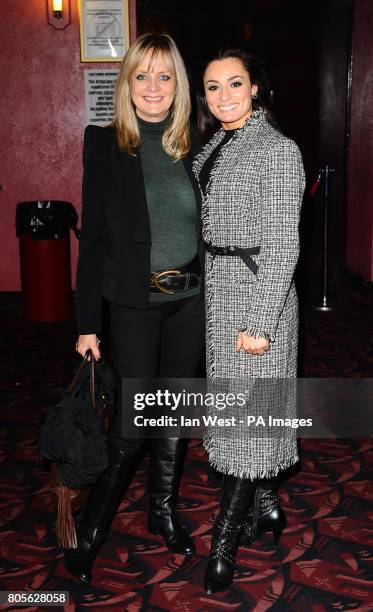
{"x":57,"y":8}
{"x":58,"y":13}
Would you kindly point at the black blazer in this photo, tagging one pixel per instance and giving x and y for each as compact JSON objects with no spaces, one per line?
{"x":115,"y":241}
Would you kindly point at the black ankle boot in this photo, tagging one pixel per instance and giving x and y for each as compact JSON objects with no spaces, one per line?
{"x":166,"y":463}
{"x":265,"y":515}
{"x":236,"y":496}
{"x":100,"y":508}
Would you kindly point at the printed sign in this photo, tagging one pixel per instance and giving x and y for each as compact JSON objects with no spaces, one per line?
{"x":99,"y":95}
{"x":104,"y":30}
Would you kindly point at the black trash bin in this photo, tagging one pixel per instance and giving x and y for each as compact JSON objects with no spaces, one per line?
{"x":43,"y":228}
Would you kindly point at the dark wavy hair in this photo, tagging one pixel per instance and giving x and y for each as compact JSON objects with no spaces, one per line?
{"x":257,"y":71}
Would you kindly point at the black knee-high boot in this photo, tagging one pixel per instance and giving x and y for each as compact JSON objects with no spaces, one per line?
{"x":166,"y":463}
{"x":236,"y":497}
{"x":101,"y":506}
{"x":265,"y":514}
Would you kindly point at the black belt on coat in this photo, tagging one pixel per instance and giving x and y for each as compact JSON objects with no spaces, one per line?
{"x":244,"y":253}
{"x":177,"y":279}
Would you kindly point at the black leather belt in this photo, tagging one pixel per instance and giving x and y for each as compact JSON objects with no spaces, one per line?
{"x":177,"y":279}
{"x":244,"y":253}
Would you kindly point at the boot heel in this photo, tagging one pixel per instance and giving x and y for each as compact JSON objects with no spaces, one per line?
{"x":174,"y":536}
{"x":153,"y":529}
{"x":277,"y":532}
{"x":275,"y":522}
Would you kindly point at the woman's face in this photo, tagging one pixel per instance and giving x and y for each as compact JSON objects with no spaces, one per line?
{"x":153,"y":87}
{"x":229,"y":92}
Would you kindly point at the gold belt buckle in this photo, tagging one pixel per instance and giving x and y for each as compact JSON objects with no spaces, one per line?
{"x":159,"y":275}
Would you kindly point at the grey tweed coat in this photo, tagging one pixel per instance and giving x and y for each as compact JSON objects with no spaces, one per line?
{"x":253,"y":199}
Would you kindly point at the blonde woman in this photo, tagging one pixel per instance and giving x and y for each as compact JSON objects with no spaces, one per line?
{"x":141,"y":220}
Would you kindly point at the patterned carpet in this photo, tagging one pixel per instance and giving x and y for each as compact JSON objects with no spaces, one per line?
{"x":324,"y":560}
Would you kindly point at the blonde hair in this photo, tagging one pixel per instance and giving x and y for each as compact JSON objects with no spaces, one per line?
{"x":176,"y":138}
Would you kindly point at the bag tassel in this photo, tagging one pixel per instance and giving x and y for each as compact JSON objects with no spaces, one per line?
{"x":65,"y":526}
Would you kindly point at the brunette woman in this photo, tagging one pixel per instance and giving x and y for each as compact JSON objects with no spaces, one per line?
{"x":252,"y":181}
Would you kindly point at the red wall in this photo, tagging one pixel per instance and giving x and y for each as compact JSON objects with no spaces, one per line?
{"x":42,"y":117}
{"x":360,"y":164}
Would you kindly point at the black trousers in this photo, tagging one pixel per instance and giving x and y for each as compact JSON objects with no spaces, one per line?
{"x":166,"y":340}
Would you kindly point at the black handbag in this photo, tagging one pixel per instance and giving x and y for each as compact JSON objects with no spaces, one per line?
{"x":73,"y":437}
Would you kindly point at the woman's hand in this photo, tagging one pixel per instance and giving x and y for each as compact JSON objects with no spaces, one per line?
{"x":251,"y":345}
{"x":88,"y":341}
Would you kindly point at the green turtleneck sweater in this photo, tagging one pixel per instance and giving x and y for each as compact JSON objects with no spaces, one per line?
{"x":171,"y":204}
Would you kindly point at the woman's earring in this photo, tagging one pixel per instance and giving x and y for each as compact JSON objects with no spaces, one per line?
{"x":254,"y":96}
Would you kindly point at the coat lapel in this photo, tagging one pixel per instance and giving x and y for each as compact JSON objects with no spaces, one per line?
{"x":200,"y":159}
{"x":134,"y":197}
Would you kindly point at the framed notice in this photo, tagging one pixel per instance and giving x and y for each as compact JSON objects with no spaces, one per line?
{"x":104,"y":30}
{"x":99,"y":95}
